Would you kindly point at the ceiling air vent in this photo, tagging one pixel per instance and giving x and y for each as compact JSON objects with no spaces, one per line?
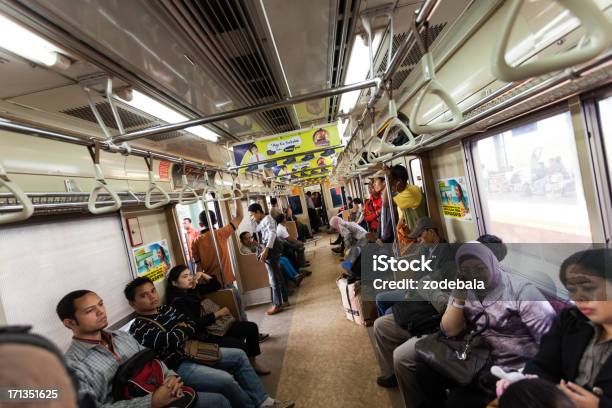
{"x":224,"y":36}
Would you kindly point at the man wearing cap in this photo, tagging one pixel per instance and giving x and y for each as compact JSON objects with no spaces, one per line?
{"x":394,"y":342}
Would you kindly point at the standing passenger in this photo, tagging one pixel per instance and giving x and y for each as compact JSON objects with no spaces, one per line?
{"x":268,"y":252}
{"x":190,"y":235}
{"x":203,"y":250}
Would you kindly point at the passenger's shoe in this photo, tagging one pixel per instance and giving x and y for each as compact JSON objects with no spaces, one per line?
{"x":387,"y":382}
{"x":305,"y":272}
{"x":263,"y":337}
{"x":337,"y":241}
{"x":274,"y":310}
{"x":286,"y":304}
{"x":298,"y":279}
{"x":283,"y":404}
{"x":337,"y":250}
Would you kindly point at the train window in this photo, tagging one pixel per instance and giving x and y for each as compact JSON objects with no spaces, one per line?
{"x":605,"y":117}
{"x":415,"y":170}
{"x":530,"y":183}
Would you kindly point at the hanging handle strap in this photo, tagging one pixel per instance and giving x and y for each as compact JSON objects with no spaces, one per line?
{"x":21,"y":197}
{"x":100,"y":185}
{"x":395,"y":122}
{"x":593,"y":22}
{"x":152,"y":187}
{"x":187,"y":189}
{"x":433,"y":86}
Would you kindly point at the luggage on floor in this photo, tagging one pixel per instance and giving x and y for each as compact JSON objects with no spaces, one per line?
{"x":356,"y":309}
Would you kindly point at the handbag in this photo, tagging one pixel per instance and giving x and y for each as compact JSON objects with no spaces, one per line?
{"x":417,"y":316}
{"x":222,"y":324}
{"x":195,"y":350}
{"x":143,"y":374}
{"x":460,"y":358}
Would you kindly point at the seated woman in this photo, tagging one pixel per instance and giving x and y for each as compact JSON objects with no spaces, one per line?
{"x":185,"y":293}
{"x":302,"y":229}
{"x":576,"y":352}
{"x":517,"y":318}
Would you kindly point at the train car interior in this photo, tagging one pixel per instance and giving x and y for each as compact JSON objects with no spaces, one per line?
{"x":310,"y":203}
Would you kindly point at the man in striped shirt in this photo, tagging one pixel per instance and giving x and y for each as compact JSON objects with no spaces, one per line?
{"x":95,"y":355}
{"x":165,"y":330}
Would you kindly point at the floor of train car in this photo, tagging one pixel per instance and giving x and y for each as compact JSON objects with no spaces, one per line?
{"x":318,"y":358}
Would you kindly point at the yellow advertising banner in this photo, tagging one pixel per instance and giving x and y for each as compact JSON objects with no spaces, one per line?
{"x":281,"y":146}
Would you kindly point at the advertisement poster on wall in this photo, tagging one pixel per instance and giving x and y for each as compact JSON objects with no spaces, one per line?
{"x":153,"y":260}
{"x":454,"y":198}
{"x":280,"y":146}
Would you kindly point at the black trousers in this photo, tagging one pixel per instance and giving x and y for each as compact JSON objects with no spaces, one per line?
{"x":434,"y":386}
{"x":314,"y":219}
{"x":243,"y":335}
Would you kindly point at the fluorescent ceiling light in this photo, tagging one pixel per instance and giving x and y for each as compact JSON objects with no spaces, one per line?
{"x":149,"y":105}
{"x":25,"y":43}
{"x":358,"y":68}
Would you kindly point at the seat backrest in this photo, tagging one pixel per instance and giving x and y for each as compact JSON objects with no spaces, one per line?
{"x":292,"y":229}
{"x":225,"y":298}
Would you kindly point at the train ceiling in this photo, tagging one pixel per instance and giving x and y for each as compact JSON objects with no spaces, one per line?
{"x":204,"y":57}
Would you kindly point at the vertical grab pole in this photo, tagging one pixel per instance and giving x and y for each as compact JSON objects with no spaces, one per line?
{"x":212,"y":232}
{"x":391,"y":211}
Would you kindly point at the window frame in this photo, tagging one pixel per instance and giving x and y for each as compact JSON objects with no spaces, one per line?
{"x":601,"y":165}
{"x":468,"y":145}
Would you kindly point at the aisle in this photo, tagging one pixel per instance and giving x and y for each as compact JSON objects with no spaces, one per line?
{"x":320,"y":359}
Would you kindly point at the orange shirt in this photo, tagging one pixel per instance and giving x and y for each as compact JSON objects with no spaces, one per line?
{"x":203,"y":251}
{"x":192,"y":235}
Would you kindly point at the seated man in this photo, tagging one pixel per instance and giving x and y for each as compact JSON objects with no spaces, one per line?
{"x":295,"y":247}
{"x":389,"y":336}
{"x":165,"y":330}
{"x":247,"y":241}
{"x":95,"y":355}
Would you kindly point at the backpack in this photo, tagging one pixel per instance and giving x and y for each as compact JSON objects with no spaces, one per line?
{"x":142,"y":374}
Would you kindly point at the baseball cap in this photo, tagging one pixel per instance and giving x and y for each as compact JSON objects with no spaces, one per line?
{"x":423,"y":223}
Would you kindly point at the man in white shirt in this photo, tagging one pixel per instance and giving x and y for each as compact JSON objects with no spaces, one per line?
{"x":269,"y":253}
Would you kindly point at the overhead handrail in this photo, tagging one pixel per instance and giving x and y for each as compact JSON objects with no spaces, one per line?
{"x":21,"y":197}
{"x":395,"y":122}
{"x":433,"y":86}
{"x":154,"y":186}
{"x":99,"y":185}
{"x":381,"y":157}
{"x":592,"y":20}
{"x":186,"y":188}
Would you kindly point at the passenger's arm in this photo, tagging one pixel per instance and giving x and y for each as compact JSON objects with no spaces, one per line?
{"x":271,"y":234}
{"x":239,"y":214}
{"x":87,"y":392}
{"x":151,"y":336}
{"x":195,"y":253}
{"x":537,"y":315}
{"x":548,"y":362}
{"x":453,"y":319}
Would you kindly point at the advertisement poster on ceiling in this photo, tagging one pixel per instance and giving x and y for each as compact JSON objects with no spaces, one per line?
{"x":454,"y":198}
{"x":153,"y":260}
{"x":318,"y":163}
{"x":280,"y":146}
